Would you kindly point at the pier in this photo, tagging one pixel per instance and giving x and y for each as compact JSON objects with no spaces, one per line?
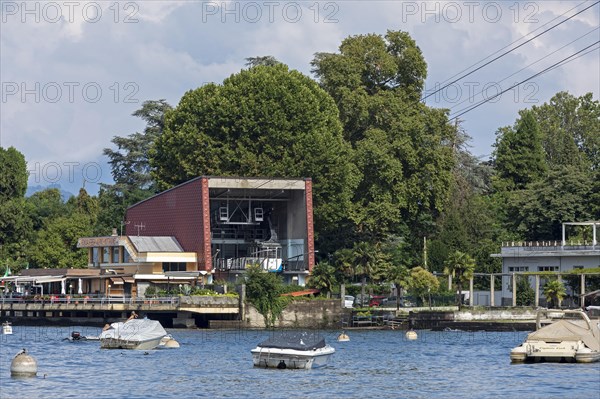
{"x":177,"y":311}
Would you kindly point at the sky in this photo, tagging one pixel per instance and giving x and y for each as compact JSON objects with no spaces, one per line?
{"x":73,"y":72}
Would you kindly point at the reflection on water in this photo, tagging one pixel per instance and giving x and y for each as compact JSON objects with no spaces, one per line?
{"x":218,"y":364}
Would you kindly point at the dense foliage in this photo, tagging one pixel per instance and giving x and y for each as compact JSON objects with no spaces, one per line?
{"x":397,"y":193}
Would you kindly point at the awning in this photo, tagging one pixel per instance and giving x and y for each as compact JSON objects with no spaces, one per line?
{"x":49,"y":279}
{"x":116,"y":280}
{"x":303,"y":293}
{"x":129,"y":280}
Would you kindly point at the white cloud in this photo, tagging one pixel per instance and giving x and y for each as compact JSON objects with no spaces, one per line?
{"x":160,"y":49}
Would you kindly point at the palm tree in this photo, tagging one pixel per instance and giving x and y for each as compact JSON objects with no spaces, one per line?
{"x":460,"y":266}
{"x":322,"y":277}
{"x":555,"y":291}
{"x":400,"y":276}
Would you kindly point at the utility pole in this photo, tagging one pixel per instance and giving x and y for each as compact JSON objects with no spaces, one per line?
{"x":425,"y":253}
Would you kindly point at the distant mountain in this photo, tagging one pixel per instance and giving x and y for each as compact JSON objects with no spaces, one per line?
{"x":65,"y":195}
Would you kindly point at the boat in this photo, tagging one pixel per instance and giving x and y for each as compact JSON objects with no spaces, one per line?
{"x":77,"y":337}
{"x":293,"y":350}
{"x":561,"y":336}
{"x":7,"y":328}
{"x":141,"y":334}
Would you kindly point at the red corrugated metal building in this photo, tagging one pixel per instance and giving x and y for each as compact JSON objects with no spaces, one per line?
{"x":233,"y":222}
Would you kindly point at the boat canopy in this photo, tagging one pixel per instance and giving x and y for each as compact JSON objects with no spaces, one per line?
{"x":302,"y":341}
{"x":134,"y":330}
{"x":569,"y":330}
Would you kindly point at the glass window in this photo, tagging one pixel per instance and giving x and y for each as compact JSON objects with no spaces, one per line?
{"x":115,"y":254}
{"x":125,"y":256}
{"x":174,"y":266}
{"x":95,"y":256}
{"x":106,"y":255}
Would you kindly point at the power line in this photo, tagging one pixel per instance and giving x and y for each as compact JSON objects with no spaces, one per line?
{"x":509,"y":51}
{"x":508,"y":45}
{"x":553,"y":66}
{"x":525,"y":67}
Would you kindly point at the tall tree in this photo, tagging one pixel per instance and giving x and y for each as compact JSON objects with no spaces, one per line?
{"x":264,"y":121}
{"x":401,"y":146}
{"x":130,"y":167}
{"x":569,"y":127}
{"x":519,"y":157}
{"x":460,"y":266}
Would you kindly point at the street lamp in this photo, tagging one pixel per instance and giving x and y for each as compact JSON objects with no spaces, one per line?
{"x":109,"y":292}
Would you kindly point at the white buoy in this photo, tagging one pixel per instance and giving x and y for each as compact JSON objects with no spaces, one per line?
{"x":343,"y":337}
{"x":23,"y":365}
{"x":411,"y":335}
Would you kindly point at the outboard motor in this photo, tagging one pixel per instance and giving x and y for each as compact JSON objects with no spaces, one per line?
{"x":75,"y":335}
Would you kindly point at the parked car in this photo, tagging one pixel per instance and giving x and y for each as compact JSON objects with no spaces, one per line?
{"x":378,"y":300}
{"x":348,"y":301}
{"x":405,"y":302}
{"x":360,"y":301}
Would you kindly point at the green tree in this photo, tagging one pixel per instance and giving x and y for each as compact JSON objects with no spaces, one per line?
{"x":525,"y":294}
{"x":264,"y":290}
{"x":570,"y":127}
{"x":264,"y":121}
{"x":537,"y":212}
{"x":555,"y":292}
{"x":460,"y":266}
{"x":266,"y":60}
{"x":56,"y":245}
{"x":423,"y":283}
{"x":322,"y":277}
{"x":130,"y":167}
{"x":13,"y":174}
{"x":400,"y":145}
{"x":519,"y":156}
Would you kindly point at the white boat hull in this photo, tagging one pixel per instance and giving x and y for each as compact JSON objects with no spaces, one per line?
{"x":115,"y":343}
{"x":571,"y":338}
{"x":290,"y":358}
{"x":563,"y":352}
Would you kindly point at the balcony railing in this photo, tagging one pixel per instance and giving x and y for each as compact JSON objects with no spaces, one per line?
{"x":551,"y":245}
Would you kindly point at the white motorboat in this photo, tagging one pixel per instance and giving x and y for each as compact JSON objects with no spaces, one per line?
{"x":562,"y":336}
{"x":142,"y":334}
{"x":292,"y":350}
{"x":7,"y":328}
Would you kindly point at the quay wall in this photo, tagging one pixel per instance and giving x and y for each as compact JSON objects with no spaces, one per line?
{"x":320,"y":314}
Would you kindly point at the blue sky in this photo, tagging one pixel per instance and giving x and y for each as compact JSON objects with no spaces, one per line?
{"x":73,"y":72}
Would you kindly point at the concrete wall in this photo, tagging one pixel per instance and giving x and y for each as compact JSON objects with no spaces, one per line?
{"x":301,"y":314}
{"x":500,"y":314}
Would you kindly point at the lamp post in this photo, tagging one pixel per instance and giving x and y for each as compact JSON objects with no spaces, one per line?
{"x":109,"y":293}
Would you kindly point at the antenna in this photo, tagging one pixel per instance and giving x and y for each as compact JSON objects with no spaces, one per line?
{"x":123,"y":223}
{"x":139,"y":227}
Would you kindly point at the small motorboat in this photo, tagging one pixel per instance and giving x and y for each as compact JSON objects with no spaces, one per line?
{"x":141,"y":334}
{"x":7,"y":328}
{"x":293,"y":350}
{"x":561,"y":336}
{"x":77,"y":337}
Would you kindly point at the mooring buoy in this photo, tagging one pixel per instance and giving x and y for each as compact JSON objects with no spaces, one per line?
{"x":23,"y":365}
{"x":411,"y":335}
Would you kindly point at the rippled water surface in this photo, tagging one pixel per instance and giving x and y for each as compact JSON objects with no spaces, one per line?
{"x":218,"y":364}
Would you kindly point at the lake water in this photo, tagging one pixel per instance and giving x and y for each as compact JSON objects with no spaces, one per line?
{"x":218,"y":364}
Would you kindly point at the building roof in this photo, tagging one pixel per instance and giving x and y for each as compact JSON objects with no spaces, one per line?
{"x":155,"y":244}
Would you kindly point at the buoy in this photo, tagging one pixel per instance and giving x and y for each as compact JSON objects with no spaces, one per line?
{"x":343,"y":337}
{"x":411,"y":335}
{"x":23,"y":365}
{"x":171,"y":344}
